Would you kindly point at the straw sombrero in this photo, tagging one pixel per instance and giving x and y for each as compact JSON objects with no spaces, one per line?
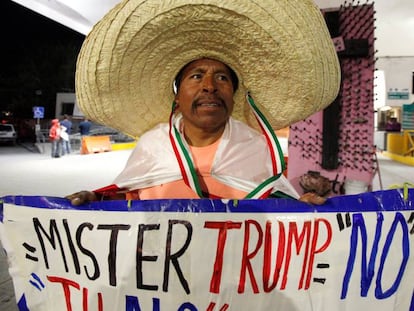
{"x":280,"y":50}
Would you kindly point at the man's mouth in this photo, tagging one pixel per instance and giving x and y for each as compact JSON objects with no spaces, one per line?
{"x":208,"y":103}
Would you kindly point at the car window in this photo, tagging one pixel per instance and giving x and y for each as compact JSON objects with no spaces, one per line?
{"x":6,"y":128}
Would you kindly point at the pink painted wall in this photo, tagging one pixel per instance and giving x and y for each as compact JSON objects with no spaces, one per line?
{"x":356,"y":117}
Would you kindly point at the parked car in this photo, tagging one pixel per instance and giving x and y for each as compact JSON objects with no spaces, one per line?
{"x":100,"y":130}
{"x":114,"y":135}
{"x":8,"y":133}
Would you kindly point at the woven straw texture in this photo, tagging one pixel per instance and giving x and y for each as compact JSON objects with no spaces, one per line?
{"x":280,"y":49}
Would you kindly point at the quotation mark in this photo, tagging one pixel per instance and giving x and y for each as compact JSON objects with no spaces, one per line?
{"x":321,"y":266}
{"x":31,"y":249}
{"x":410,"y":221}
{"x":342,"y":225}
{"x":37,"y":282}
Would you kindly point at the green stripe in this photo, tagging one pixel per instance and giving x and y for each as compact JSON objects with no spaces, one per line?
{"x":189,"y":162}
{"x":269,"y":127}
{"x":262,"y":185}
{"x":281,"y":195}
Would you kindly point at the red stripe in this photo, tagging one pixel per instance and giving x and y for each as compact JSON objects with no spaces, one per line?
{"x":266,"y":194}
{"x":108,"y":190}
{"x":269,"y":144}
{"x":177,"y":154}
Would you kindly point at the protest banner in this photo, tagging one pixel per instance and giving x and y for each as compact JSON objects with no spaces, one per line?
{"x":352,"y":253}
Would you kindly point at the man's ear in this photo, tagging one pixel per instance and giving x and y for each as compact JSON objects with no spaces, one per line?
{"x":177,"y":102}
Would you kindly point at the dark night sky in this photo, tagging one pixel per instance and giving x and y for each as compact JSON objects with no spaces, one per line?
{"x":36,"y":54}
{"x":19,"y":24}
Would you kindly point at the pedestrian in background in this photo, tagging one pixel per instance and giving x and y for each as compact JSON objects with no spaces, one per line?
{"x":64,"y":140}
{"x":84,"y":127}
{"x":66,"y":127}
{"x":54,"y":137}
{"x":393,"y":125}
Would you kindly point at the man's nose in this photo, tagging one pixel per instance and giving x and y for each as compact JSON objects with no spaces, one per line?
{"x":209,"y":84}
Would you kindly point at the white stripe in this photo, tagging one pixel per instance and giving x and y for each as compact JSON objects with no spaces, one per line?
{"x":181,"y":152}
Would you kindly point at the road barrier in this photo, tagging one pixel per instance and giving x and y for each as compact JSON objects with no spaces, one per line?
{"x":95,"y":144}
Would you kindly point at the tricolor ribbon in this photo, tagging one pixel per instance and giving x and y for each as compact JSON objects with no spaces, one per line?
{"x":187,"y":167}
{"x":183,"y":156}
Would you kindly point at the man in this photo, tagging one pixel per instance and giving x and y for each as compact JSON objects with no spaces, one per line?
{"x":67,"y":124}
{"x":204,"y":99}
{"x":203,"y":151}
{"x":84,"y":127}
{"x":393,"y":125}
{"x":54,"y":137}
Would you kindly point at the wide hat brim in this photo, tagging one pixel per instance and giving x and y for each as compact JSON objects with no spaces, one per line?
{"x":281,"y":51}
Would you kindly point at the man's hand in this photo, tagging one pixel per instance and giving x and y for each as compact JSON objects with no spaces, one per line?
{"x":82,"y":197}
{"x":312,"y":198}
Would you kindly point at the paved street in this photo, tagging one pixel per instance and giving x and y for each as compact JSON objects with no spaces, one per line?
{"x":24,"y":172}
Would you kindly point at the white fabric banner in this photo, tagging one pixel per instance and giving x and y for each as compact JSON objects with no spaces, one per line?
{"x":211,"y":255}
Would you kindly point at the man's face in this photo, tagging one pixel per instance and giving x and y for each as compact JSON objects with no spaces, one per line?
{"x":205,"y":95}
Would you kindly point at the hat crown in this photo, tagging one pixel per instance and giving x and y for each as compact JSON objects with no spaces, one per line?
{"x":280,"y":50}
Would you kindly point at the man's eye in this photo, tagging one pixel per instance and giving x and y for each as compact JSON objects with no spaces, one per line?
{"x":223,"y":78}
{"x":196,"y":76}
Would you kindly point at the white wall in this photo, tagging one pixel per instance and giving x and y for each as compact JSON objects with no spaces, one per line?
{"x":62,"y":98}
{"x":398,"y":72}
